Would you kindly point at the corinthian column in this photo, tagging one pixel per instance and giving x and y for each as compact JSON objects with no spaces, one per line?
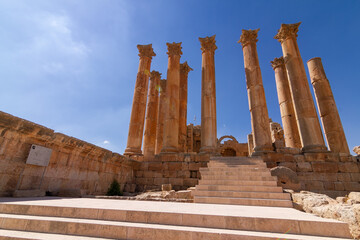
{"x":184,"y":70}
{"x":256,"y":94}
{"x":291,"y":131}
{"x":136,"y":126}
{"x":208,"y":96}
{"x":151,"y":115}
{"x":329,"y":114}
{"x":306,"y":116}
{"x":171,"y":125}
{"x":161,"y":116}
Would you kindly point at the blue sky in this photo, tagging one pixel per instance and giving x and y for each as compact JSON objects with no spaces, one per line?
{"x":71,"y":65}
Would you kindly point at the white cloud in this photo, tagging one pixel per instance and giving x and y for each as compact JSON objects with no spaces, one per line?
{"x":106,"y":142}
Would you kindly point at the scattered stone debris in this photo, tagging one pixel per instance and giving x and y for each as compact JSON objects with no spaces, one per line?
{"x":165,"y":196}
{"x":357,"y":150}
{"x":345,"y":209}
{"x":286,"y":177}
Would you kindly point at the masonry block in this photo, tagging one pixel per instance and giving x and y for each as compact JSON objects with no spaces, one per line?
{"x":155,"y":166}
{"x":339,"y":186}
{"x":176,"y":181}
{"x":352,"y":186}
{"x":328,"y":167}
{"x":194,"y":166}
{"x":349,"y":167}
{"x":303,"y":167}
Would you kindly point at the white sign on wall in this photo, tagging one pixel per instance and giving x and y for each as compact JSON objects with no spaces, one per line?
{"x":39,"y":156}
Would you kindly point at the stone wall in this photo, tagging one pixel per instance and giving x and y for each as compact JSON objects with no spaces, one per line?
{"x":181,"y":171}
{"x":326,"y":172}
{"x":74,"y":164}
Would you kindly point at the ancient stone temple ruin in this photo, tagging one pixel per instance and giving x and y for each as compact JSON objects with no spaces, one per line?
{"x":164,"y":152}
{"x":173,"y":152}
{"x":163,"y":149}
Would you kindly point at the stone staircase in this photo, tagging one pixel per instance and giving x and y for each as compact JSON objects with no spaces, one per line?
{"x":239,"y":181}
{"x":60,"y":218}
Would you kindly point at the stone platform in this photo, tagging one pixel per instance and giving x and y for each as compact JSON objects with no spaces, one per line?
{"x":51,"y":218}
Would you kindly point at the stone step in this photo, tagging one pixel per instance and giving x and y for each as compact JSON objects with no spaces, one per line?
{"x":274,"y":189}
{"x":18,"y":235}
{"x":237,"y":177}
{"x":237,"y":182}
{"x":234,"y":194}
{"x":125,"y":230}
{"x":244,"y":201}
{"x":237,"y":167}
{"x":235,"y":159}
{"x":117,"y":218}
{"x":232,"y":171}
{"x":238,"y":163}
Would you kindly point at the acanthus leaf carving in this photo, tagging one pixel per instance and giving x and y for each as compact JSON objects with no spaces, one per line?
{"x":277,"y":62}
{"x":174,"y":48}
{"x":185,"y":68}
{"x":286,"y":31}
{"x":146,"y":51}
{"x":248,"y":36}
{"x":208,"y":44}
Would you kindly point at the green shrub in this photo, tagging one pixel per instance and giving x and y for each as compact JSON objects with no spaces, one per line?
{"x":114,"y":189}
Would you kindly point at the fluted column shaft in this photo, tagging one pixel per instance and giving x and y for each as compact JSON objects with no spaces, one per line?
{"x":208,"y":96}
{"x":291,"y":131}
{"x":171,"y":124}
{"x":306,"y":116}
{"x":184,"y":70}
{"x":151,"y":115}
{"x":161,"y":116}
{"x":329,"y":114}
{"x":136,"y":126}
{"x":256,"y":94}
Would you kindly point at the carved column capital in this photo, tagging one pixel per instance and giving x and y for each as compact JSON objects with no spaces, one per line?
{"x":208,"y":44}
{"x":277,"y":62}
{"x":185,"y":68}
{"x":174,"y":48}
{"x":155,"y":74}
{"x":248,"y":36}
{"x":146,"y":51}
{"x":286,"y":31}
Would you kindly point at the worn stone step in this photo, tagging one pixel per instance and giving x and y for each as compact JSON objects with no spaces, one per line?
{"x":130,"y":230}
{"x":18,"y":235}
{"x":235,"y":194}
{"x":239,"y":188}
{"x":237,"y":177}
{"x":237,"y":163}
{"x":233,"y":171}
{"x":98,"y":215}
{"x":237,"y":167}
{"x":244,"y":201}
{"x":237,"y":182}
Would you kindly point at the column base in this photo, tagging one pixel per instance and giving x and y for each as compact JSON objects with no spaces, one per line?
{"x":209,"y":150}
{"x":259,"y":150}
{"x":133,"y":151}
{"x":166,"y":150}
{"x":314,"y":148}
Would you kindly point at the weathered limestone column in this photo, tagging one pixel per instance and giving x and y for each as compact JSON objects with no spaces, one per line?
{"x":136,"y":126}
{"x":208,"y":96}
{"x":329,"y":114}
{"x":306,"y":116}
{"x":250,"y":143}
{"x":171,"y":124}
{"x":151,"y":115}
{"x":161,"y":116}
{"x":184,"y":70}
{"x":256,"y":94}
{"x":291,"y":131}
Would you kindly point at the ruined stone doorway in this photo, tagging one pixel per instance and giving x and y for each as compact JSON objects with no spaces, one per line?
{"x":228,"y":152}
